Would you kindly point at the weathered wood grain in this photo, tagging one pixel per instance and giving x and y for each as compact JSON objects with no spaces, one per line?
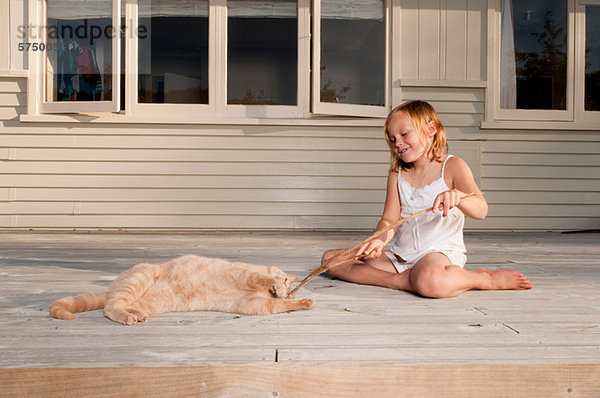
{"x":356,"y":341}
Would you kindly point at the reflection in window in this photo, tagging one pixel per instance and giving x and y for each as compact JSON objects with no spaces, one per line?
{"x":534,"y":54}
{"x":353,"y":52}
{"x":592,"y":59}
{"x":79,"y":51}
{"x":262,"y":66}
{"x":173,"y":52}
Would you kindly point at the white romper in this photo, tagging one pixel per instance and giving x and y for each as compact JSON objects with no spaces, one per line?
{"x":430,"y":232}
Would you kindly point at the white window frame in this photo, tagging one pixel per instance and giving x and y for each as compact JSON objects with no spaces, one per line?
{"x":303,"y":89}
{"x":580,"y":113}
{"x":217,"y":110}
{"x":43,"y":84}
{"x":574,"y":115}
{"x":175,"y":111}
{"x":328,"y":108}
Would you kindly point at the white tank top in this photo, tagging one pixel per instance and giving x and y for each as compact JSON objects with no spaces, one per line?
{"x":429,"y":232}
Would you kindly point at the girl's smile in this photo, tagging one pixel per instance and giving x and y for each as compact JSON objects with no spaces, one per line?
{"x":406,"y":141}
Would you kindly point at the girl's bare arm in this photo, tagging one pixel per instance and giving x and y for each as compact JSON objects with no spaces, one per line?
{"x":391,"y":214}
{"x":461,"y":183}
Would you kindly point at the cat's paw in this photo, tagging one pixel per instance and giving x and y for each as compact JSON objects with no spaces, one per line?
{"x":305,"y":303}
{"x":280,"y":288}
{"x":133,"y":316}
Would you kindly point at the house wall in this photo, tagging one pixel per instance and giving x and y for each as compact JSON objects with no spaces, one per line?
{"x":330,"y":175}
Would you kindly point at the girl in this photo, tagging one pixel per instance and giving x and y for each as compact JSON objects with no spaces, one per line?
{"x":428,"y":255}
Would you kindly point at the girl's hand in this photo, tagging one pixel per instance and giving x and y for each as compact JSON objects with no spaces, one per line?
{"x":371,"y":249}
{"x":446,"y":201}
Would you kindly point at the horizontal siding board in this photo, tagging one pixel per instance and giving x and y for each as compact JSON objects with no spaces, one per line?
{"x":308,"y":182}
{"x":200,"y":155}
{"x":548,"y":147}
{"x":545,"y":210}
{"x":198,"y":194}
{"x":198,"y":142}
{"x":190,"y":131}
{"x":154,"y":221}
{"x":538,"y":223}
{"x":443,"y":94}
{"x":157,"y":222}
{"x":542,"y":159}
{"x":534,"y":171}
{"x":445,"y":107}
{"x":11,"y":85}
{"x":11,"y":113}
{"x":546,"y":185}
{"x":197,"y":168}
{"x":524,"y":197}
{"x":13,"y":99}
{"x":193,"y":208}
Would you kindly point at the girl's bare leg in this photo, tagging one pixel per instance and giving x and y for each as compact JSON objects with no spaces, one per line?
{"x":378,"y":272}
{"x":435,"y":276}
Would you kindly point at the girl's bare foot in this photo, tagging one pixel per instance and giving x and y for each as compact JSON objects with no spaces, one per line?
{"x":506,"y":280}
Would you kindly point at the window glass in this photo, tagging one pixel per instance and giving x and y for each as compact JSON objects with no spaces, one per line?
{"x":592,"y":59}
{"x":353,"y":52}
{"x":534,"y":54}
{"x":173,"y":51}
{"x":262,"y":66}
{"x":79,"y":50}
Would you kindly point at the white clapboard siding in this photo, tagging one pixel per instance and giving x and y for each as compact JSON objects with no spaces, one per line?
{"x":12,"y":96}
{"x":186,"y":194}
{"x":194,"y":176}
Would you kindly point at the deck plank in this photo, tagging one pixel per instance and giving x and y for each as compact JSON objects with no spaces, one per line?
{"x":554,"y":327}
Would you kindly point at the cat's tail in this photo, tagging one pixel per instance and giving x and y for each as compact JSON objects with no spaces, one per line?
{"x":65,"y":307}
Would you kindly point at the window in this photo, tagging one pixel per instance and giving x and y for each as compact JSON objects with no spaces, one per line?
{"x":173,"y":52}
{"x":82,"y":65}
{"x":592,"y":59}
{"x":211,"y":59}
{"x":545,"y":64}
{"x":350,"y":58}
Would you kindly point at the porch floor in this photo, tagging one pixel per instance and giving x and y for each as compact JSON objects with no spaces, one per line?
{"x":357,"y":340}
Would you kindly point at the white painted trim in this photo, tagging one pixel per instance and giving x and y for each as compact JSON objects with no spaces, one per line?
{"x":303,"y":75}
{"x":131,"y":47}
{"x":497,"y":113}
{"x":173,"y":112}
{"x":113,"y":118}
{"x":395,"y":53}
{"x":14,"y":73}
{"x":580,"y":36}
{"x":443,"y":83}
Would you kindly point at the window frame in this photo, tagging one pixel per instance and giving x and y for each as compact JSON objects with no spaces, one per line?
{"x":574,"y":115}
{"x":580,"y":113}
{"x":217,"y":110}
{"x":39,"y":58}
{"x":343,"y":109}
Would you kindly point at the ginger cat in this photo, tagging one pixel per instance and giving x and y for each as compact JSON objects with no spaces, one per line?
{"x":188,"y":283}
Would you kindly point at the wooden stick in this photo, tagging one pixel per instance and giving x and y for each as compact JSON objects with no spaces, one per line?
{"x":325,"y":266}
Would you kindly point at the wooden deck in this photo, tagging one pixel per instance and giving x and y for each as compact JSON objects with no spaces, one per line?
{"x":356,"y":341}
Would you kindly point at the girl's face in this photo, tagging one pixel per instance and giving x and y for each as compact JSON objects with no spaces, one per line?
{"x":407,"y":143}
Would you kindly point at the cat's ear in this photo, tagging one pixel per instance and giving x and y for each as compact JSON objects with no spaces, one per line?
{"x":293,"y":278}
